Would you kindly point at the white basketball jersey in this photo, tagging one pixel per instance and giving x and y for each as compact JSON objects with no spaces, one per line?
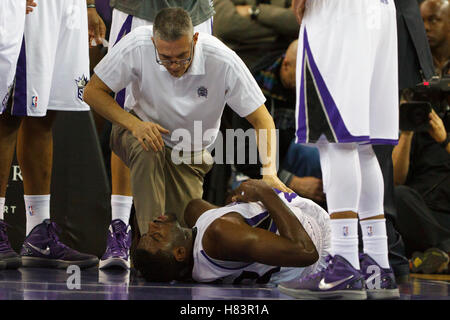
{"x":313,"y":218}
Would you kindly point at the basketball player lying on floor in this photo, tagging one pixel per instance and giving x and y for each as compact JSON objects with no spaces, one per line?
{"x":264,"y":235}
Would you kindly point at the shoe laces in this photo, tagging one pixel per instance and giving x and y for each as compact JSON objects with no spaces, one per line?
{"x":319,"y":273}
{"x":53,"y":231}
{"x":4,"y":241}
{"x":118,"y":241}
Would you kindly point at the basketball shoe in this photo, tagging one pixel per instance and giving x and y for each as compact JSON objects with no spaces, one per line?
{"x":380,"y":282}
{"x":117,"y":246}
{"x":42,"y":248}
{"x":8,"y":257}
{"x":339,"y":280}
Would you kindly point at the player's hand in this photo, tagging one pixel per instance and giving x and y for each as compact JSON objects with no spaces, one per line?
{"x":251,"y":190}
{"x":437,"y":130}
{"x":149,"y":135}
{"x":298,"y":6}
{"x":97,"y":28}
{"x":308,"y":187}
{"x":30,"y":5}
{"x":275,"y":182}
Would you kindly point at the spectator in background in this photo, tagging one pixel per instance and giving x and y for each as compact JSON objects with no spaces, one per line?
{"x":299,"y":164}
{"x":255,"y":27}
{"x":436,"y":17}
{"x":422,"y":168}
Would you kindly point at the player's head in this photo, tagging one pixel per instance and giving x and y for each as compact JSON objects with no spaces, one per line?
{"x":163,"y":253}
{"x":436,"y":17}
{"x":174,"y":40}
{"x":288,"y":66}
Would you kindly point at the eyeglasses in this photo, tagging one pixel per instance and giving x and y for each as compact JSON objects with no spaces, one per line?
{"x":180,"y":62}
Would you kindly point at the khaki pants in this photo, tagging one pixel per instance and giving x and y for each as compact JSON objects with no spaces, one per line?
{"x":158,"y":185}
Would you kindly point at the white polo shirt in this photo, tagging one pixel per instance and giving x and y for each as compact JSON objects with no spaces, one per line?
{"x":217,"y":76}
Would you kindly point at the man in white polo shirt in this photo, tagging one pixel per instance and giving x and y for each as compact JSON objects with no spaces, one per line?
{"x":180,"y":82}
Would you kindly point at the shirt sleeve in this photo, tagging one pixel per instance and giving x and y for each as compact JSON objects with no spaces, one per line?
{"x":122,"y":64}
{"x":243,"y":94}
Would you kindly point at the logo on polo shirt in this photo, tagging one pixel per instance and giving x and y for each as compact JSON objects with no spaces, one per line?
{"x":202,"y":92}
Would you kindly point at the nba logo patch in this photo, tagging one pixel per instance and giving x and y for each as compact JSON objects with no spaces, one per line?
{"x":34,"y":101}
{"x":369,"y":231}
{"x":202,"y":92}
{"x":345,"y":231}
{"x":81,"y":83}
{"x":30,"y":210}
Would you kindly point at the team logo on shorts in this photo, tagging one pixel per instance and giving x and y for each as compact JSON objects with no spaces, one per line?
{"x":30,"y":210}
{"x":385,"y":1}
{"x":202,"y":92}
{"x":369,"y":231}
{"x":345,"y":231}
{"x":81,"y":83}
{"x":34,"y":101}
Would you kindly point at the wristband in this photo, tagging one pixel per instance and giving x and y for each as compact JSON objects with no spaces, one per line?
{"x":91,"y":5}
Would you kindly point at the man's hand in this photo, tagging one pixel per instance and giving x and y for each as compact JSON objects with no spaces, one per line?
{"x":30,"y":5}
{"x":437,"y":130}
{"x":243,"y":10}
{"x":149,"y":134}
{"x":298,"y":6}
{"x":308,"y":187}
{"x":97,"y":28}
{"x":250,"y":191}
{"x":275,"y":182}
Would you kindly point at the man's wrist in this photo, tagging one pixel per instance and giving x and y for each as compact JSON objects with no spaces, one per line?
{"x":90,"y":3}
{"x":444,"y":143}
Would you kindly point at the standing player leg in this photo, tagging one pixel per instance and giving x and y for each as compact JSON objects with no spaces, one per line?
{"x":55,"y":85}
{"x":380,"y":279}
{"x":9,"y":127}
{"x":12,"y":22}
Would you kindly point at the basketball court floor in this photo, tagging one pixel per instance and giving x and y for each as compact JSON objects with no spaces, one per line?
{"x":116,"y":284}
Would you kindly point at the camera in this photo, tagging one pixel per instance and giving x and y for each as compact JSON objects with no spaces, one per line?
{"x":426,"y":95}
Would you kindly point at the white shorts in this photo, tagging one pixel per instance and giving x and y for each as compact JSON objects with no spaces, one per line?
{"x":54,"y":69}
{"x":12,"y":22}
{"x":347,"y":77}
{"x":123,"y":23}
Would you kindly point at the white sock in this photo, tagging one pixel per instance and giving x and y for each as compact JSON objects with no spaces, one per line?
{"x":344,"y":240}
{"x":2,"y":208}
{"x":121,"y":208}
{"x":375,"y":240}
{"x":37,"y":209}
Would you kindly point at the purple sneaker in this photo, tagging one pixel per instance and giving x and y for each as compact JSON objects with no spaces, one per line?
{"x":117,"y":246}
{"x":380,"y":283}
{"x":8,"y":257}
{"x":339,"y":280}
{"x":42,"y":248}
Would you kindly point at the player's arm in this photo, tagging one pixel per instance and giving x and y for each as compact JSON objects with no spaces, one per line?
{"x":97,"y":95}
{"x":298,"y":6}
{"x":262,"y":122}
{"x":233,"y":239}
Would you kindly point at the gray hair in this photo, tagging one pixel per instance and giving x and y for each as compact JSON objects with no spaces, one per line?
{"x":172,"y":23}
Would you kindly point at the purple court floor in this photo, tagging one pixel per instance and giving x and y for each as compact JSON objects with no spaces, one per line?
{"x":49,"y":284}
